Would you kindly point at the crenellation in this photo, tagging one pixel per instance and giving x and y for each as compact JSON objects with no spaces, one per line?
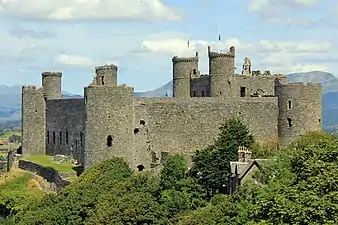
{"x":110,"y":121}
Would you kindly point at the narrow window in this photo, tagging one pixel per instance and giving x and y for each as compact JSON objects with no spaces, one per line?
{"x":67,"y":140}
{"x":60,"y":138}
{"x":194,"y":72}
{"x":243,"y":90}
{"x":320,"y":121}
{"x":102,"y":80}
{"x":202,"y":93}
{"x":53,"y":138}
{"x":81,"y":139}
{"x":289,"y":105}
{"x":289,"y":122}
{"x":220,"y":93}
{"x":48,"y":137}
{"x":109,"y":141}
{"x":194,"y":94}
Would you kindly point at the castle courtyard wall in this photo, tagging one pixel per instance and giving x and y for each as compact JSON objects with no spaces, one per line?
{"x":65,"y":127}
{"x":169,"y":125}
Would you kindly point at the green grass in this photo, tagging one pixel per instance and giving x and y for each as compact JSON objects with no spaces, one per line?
{"x":19,"y":188}
{"x":8,"y":133}
{"x":48,"y":162}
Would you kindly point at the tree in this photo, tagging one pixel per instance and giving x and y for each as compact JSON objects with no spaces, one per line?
{"x":212,"y":164}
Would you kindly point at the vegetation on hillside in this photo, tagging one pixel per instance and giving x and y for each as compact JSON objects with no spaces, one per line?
{"x":298,"y":185}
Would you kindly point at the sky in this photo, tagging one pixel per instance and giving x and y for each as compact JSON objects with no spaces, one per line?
{"x":142,"y":36}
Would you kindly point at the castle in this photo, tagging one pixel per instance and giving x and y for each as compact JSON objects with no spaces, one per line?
{"x":110,"y":121}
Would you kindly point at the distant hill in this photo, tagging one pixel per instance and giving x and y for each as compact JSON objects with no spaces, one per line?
{"x":10,"y":97}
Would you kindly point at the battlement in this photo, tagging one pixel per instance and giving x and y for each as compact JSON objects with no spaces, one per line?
{"x":300,"y":84}
{"x":51,"y":74}
{"x":176,"y":59}
{"x":105,"y":68}
{"x":229,"y":54}
{"x":29,"y":88}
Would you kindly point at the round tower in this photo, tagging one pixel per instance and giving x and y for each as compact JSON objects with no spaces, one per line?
{"x":221,"y":68}
{"x":300,"y":110}
{"x":106,"y":75}
{"x":51,"y":83}
{"x":183,"y":70}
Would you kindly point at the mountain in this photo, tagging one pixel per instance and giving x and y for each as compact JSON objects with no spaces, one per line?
{"x":10,"y":97}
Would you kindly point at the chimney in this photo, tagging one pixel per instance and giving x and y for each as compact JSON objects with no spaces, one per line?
{"x":244,"y":154}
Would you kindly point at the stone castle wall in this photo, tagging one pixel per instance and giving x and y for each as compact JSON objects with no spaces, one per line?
{"x":109,"y":121}
{"x":184,"y":126}
{"x":65,"y":127}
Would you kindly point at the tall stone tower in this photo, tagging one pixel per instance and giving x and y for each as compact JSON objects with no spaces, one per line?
{"x":183,"y":70}
{"x":300,"y":110}
{"x":106,"y":75}
{"x":51,"y":83}
{"x":108,"y":118}
{"x":221,"y":68}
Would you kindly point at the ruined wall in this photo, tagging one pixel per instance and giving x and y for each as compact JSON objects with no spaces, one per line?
{"x":65,"y":127}
{"x":200,"y":87}
{"x":50,"y":174}
{"x":249,"y":84}
{"x":300,"y":110}
{"x":184,"y":126}
{"x":108,"y":123}
{"x":33,"y":118}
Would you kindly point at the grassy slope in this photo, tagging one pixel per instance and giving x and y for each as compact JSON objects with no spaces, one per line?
{"x":48,"y":162}
{"x":19,"y":187}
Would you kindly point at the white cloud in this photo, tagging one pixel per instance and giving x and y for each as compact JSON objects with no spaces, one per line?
{"x":74,"y":60}
{"x":88,"y":9}
{"x":265,"y":5}
{"x":277,"y":56}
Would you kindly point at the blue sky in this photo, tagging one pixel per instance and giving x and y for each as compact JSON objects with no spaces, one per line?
{"x":141,"y":37}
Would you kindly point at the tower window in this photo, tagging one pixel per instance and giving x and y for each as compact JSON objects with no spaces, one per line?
{"x":289,"y":122}
{"x":243,"y":90}
{"x":320,"y":121}
{"x":136,"y":130}
{"x":60,"y":138}
{"x":194,"y":72}
{"x":289,"y":105}
{"x":194,"y":94}
{"x":202,"y":93}
{"x":142,"y":122}
{"x":109,"y":141}
{"x":67,"y":137}
{"x":48,"y":137}
{"x":81,"y":139}
{"x":54,"y":138}
{"x":102,"y":80}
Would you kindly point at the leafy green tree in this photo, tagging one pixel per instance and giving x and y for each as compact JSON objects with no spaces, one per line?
{"x":73,"y":204}
{"x":180,"y":192}
{"x":212,"y":165}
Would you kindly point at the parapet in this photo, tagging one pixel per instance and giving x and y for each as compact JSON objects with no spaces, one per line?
{"x":229,"y":54}
{"x":176,"y":59}
{"x":300,"y":84}
{"x":29,"y":88}
{"x":105,"y":68}
{"x":51,"y":74}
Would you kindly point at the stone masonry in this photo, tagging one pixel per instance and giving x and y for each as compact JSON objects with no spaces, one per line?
{"x":110,"y":121}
